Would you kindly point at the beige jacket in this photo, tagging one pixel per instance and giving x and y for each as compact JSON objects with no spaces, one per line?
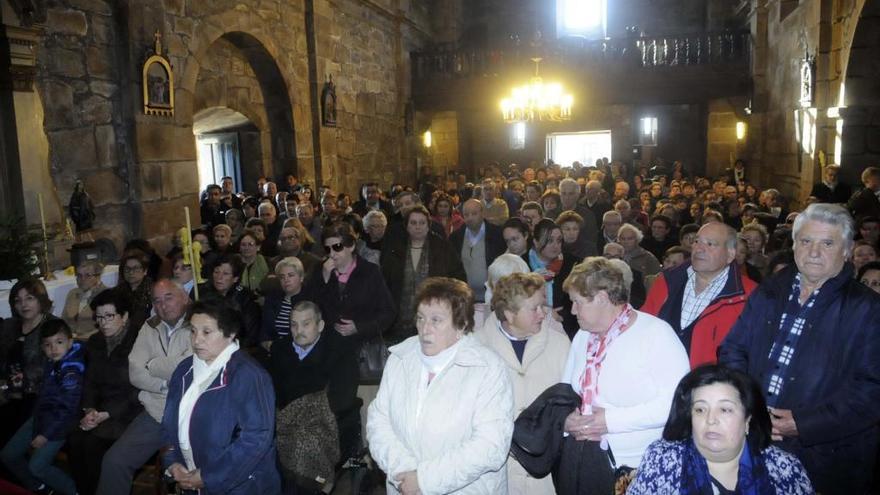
{"x":81,"y":322}
{"x":541,"y":368}
{"x":153,"y":359}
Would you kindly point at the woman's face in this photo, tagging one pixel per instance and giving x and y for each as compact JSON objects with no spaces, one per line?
{"x":291,"y":280}
{"x":644,"y":196}
{"x":587,"y":311}
{"x":221,"y":238}
{"x":550,"y":204}
{"x":751,"y":191}
{"x":27,"y":305}
{"x":526,"y":321}
{"x":656,"y":190}
{"x":570,"y":232}
{"x":871,"y":278}
{"x":533,"y":193}
{"x":443,"y":209}
{"x":307,"y":194}
{"x":862,"y":255}
{"x":259,"y":233}
{"x":628,"y":239}
{"x":718,"y":422}
{"x":553,"y":248}
{"x":223,"y":278}
{"x":742,"y":251}
{"x":87,"y":277}
{"x":696,"y":209}
{"x":133,"y":273}
{"x":338,"y":252}
{"x":248,"y":247}
{"x":436,"y":329}
{"x":516,"y":242}
{"x":182,"y":273}
{"x":755,"y":242}
{"x":202,"y":239}
{"x":208,"y":340}
{"x":109,"y":321}
{"x":417,"y":227}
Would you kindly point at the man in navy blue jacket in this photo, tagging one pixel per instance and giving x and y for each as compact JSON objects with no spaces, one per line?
{"x":810,"y":336}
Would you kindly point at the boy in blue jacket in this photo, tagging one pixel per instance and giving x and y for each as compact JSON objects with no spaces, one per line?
{"x":56,"y":411}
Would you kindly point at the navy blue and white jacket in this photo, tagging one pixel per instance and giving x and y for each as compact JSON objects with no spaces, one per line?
{"x":57,"y":408}
{"x":232,"y":428}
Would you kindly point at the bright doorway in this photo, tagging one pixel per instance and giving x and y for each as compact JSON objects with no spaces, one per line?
{"x":566,"y":148}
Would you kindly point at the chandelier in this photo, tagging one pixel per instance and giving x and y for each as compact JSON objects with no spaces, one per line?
{"x":537,"y":100}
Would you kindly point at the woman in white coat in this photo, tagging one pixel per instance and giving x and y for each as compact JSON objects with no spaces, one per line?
{"x":443,"y":418}
{"x":535,"y":355}
{"x":625,"y":365}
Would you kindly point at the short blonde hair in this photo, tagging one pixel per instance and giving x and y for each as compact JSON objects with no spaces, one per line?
{"x":291,"y":262}
{"x":504,"y":265}
{"x":596,"y":274}
{"x":510,"y":291}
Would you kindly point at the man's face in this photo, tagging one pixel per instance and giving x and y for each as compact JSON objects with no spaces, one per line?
{"x":306,"y":327}
{"x":473,"y":215}
{"x":528,"y":174}
{"x":289,"y":242}
{"x":290,"y":206}
{"x":228,"y":186}
{"x":831,"y":175}
{"x":613,"y":252}
{"x":621,"y":190}
{"x":709,"y":252}
{"x":489,"y":191}
{"x":214,"y":196}
{"x":673,"y":260}
{"x":610,"y":226}
{"x":819,"y":251}
{"x":169,"y":302}
{"x":305,"y":213}
{"x":372,"y":194}
{"x":730,"y":193}
{"x":406,"y":201}
{"x":569,"y":194}
{"x":531,"y":217}
{"x":271,"y":189}
{"x":267,"y":213}
{"x":328,"y":204}
{"x":659,"y":230}
{"x":870,"y":231}
{"x":628,"y":239}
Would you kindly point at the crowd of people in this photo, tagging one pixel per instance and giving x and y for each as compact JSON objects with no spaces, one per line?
{"x":588,"y":329}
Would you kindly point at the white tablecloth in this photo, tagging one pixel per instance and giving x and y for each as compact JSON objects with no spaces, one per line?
{"x":59,"y":288}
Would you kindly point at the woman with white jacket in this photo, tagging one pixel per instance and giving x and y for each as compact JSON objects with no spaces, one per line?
{"x":443,"y":418}
{"x":625,"y":365}
{"x":534,"y":354}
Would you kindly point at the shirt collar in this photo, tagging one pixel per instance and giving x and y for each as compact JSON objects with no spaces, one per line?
{"x":302,"y":352}
{"x":509,"y":336}
{"x":475,"y":238}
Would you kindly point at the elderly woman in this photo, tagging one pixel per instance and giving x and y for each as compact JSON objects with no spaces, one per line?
{"x":717,"y":440}
{"x":136,"y":285}
{"x":222,"y":236}
{"x":443,"y":418}
{"x":405,"y":265}
{"x":370,"y":245}
{"x":255,"y":266}
{"x":109,"y":400}
{"x":756,"y":238}
{"x":638,"y":258}
{"x":534,"y":354}
{"x":182,"y":274}
{"x":77,"y":313}
{"x":551,"y":202}
{"x":625,"y":365}
{"x":224,"y":288}
{"x":220,"y":414}
{"x":21,"y":357}
{"x":570,"y":223}
{"x":278,"y":304}
{"x":235,"y":220}
{"x":547,"y":259}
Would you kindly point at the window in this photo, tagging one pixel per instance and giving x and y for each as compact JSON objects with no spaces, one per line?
{"x":648,"y":131}
{"x":218,"y":157}
{"x":518,"y":136}
{"x":584,"y":147}
{"x":585,"y":18}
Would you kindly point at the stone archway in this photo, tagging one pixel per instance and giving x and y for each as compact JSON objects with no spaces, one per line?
{"x":236,"y":71}
{"x":861,"y":96}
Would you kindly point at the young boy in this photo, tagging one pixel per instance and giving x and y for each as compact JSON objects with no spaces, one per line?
{"x":56,"y":411}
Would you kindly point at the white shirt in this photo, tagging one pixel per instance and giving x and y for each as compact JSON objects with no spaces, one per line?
{"x":693,"y":304}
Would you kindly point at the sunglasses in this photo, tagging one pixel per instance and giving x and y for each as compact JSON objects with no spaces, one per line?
{"x":339,"y":246}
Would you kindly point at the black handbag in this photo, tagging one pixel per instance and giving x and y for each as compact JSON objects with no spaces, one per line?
{"x":371,"y":360}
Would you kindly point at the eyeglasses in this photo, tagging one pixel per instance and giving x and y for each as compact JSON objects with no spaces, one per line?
{"x":339,"y":246}
{"x":133,"y":269}
{"x":107,"y":317}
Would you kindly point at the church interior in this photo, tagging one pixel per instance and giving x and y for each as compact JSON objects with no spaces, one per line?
{"x":785,"y":85}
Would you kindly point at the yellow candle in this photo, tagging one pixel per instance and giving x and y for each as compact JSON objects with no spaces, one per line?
{"x":42,"y":215}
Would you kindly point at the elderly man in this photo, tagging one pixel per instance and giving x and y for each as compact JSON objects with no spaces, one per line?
{"x":305,"y":212}
{"x":162,"y":343}
{"x":496,"y":211}
{"x":370,"y":246}
{"x":593,"y":200}
{"x":811,"y":338}
{"x":701,"y":300}
{"x":478,"y":242}
{"x":569,"y":194}
{"x":269,"y":214}
{"x":637,"y":292}
{"x":611,"y":222}
{"x":830,"y":190}
{"x":290,"y":243}
{"x":372,"y":201}
{"x":77,"y":313}
{"x":866,"y":202}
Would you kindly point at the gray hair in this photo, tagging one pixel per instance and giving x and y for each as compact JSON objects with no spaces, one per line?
{"x":569,"y":182}
{"x":830,"y":214}
{"x":504,"y":265}
{"x":95,"y":265}
{"x":628,"y":226}
{"x":265,"y":205}
{"x":623,"y":204}
{"x":375,"y":214}
{"x":612,"y":213}
{"x":307,"y":306}
{"x":626,"y":270}
{"x":291,"y":262}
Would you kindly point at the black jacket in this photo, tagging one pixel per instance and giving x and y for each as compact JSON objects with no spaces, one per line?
{"x":864,"y":203}
{"x":495,"y":245}
{"x":537,"y":432}
{"x":443,"y":261}
{"x":107,"y":387}
{"x":242,"y":300}
{"x":833,"y":385}
{"x":823,"y":193}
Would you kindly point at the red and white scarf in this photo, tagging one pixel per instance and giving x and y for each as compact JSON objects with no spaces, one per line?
{"x":597,"y":347}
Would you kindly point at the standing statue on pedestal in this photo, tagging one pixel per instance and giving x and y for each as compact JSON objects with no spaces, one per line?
{"x":81,"y":209}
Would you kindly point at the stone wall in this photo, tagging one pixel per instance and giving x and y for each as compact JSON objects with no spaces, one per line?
{"x":721,"y":139}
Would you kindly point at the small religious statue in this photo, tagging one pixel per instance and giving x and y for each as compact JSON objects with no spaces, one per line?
{"x":158,"y":82}
{"x":81,"y":208}
{"x":328,"y":104}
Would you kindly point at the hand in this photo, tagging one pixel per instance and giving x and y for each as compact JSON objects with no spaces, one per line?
{"x":39,"y":441}
{"x":178,"y":471}
{"x":783,"y":423}
{"x":345,"y":327}
{"x":596,"y":426}
{"x":328,"y":267}
{"x":408,"y":483}
{"x":576,"y":425}
{"x":89,"y":420}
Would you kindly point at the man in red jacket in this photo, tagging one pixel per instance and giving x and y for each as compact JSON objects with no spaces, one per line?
{"x":702,"y":299}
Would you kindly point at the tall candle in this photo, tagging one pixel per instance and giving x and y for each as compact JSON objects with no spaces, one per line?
{"x":42,"y":215}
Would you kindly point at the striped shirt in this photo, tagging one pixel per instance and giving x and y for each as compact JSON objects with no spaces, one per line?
{"x":693,"y":304}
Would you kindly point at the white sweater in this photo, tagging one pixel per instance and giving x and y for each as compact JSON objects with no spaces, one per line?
{"x":642,"y":367}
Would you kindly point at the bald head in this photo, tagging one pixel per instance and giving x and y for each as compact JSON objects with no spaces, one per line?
{"x":472,"y":211}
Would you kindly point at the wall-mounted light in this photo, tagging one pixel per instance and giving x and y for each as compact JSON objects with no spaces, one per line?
{"x":648,"y":134}
{"x":741,"y":129}
{"x":426,"y":139}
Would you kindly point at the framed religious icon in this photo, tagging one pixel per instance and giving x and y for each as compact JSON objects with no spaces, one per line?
{"x":158,"y":81}
{"x":808,"y":80}
{"x":328,"y":104}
